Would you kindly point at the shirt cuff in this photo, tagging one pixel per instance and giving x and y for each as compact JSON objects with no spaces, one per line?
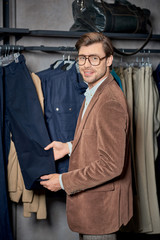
{"x":70,"y":148}
{"x":60,"y":181}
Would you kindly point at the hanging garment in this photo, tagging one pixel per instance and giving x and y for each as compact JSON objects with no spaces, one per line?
{"x":26,"y":123}
{"x":144,"y":109}
{"x":5,"y":228}
{"x":152,"y":130}
{"x":144,"y":218}
{"x":63,"y":92}
{"x":156,"y":75}
{"x":33,"y":201}
{"x":125,"y":75}
{"x":117,"y":78}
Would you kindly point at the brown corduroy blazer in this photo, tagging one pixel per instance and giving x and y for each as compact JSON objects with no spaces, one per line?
{"x":98,"y":184}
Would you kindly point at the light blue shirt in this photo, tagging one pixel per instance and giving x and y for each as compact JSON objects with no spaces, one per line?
{"x":88,"y":94}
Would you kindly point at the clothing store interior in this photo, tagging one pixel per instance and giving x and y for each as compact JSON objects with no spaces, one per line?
{"x":45,"y":86}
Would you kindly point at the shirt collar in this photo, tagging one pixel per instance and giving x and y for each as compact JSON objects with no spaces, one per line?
{"x":91,"y":92}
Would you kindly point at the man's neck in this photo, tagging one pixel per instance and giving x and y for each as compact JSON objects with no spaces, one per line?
{"x":91,"y":85}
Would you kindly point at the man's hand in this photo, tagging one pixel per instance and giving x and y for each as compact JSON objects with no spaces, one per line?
{"x":51,"y":182}
{"x":59,"y":149}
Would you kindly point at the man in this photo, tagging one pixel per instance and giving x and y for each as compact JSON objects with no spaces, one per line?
{"x":98,"y":184}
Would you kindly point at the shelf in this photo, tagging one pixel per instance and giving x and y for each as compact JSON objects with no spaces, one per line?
{"x":20,"y":32}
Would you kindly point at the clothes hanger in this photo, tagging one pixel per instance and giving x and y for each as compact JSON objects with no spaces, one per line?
{"x":5,"y":60}
{"x":57,"y":63}
{"x":135,"y":63}
{"x":122,"y":63}
{"x":9,"y":56}
{"x":148,"y":63}
{"x":16,"y":55}
{"x":68,"y":63}
{"x":71,"y":61}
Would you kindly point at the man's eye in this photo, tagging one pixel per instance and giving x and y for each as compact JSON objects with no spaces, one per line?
{"x":81,"y":58}
{"x":94,"y":57}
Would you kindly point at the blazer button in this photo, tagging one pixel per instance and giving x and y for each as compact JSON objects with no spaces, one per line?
{"x":57,"y":109}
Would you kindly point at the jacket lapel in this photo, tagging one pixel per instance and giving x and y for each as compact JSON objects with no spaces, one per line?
{"x":81,"y":122}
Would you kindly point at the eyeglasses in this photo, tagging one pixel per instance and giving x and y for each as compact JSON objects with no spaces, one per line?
{"x":93,"y":59}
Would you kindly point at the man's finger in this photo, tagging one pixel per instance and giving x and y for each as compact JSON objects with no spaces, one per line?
{"x":49,"y":146}
{"x":46,"y":176}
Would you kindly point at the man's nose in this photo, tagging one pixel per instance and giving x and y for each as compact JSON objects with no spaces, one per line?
{"x":87,"y":63}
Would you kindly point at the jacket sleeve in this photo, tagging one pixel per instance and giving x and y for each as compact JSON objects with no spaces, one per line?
{"x":111,"y":123}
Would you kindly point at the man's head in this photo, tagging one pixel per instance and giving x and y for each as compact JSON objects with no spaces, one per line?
{"x":95,"y":56}
{"x":94,"y":37}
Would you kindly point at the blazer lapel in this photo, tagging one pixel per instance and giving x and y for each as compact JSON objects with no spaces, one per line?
{"x":81,"y":122}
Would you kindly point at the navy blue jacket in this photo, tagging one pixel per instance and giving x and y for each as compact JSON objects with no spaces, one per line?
{"x":63,"y":92}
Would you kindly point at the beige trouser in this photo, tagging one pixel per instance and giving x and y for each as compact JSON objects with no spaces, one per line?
{"x":98,"y":237}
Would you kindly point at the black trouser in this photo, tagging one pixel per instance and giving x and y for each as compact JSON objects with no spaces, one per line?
{"x":5,"y":229}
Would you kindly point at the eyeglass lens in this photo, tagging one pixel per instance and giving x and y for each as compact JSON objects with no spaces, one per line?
{"x":93,"y":59}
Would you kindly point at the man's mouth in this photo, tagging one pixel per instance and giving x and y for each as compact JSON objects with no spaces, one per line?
{"x":88,"y":73}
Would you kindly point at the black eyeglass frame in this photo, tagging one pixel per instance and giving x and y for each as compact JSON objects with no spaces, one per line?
{"x":87,"y":57}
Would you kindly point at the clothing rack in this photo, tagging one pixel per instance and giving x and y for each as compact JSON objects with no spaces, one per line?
{"x":17,"y":48}
{"x":7,"y":49}
{"x":18,"y":33}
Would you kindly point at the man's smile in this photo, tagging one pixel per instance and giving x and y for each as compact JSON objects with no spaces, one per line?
{"x":88,"y":73}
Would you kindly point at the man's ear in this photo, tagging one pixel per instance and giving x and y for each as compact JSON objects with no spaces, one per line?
{"x":109,"y":61}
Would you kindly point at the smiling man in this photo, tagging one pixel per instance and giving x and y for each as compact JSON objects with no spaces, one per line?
{"x":98,"y":184}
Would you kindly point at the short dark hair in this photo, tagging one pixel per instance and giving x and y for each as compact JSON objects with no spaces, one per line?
{"x":95,"y":37}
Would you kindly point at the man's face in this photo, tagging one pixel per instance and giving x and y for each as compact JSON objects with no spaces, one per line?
{"x":93,"y":74}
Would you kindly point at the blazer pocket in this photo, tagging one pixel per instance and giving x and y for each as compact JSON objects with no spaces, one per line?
{"x":103,"y":188}
{"x":89,"y":132}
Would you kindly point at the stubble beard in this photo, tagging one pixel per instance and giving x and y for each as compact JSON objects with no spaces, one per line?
{"x":92,"y":82}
